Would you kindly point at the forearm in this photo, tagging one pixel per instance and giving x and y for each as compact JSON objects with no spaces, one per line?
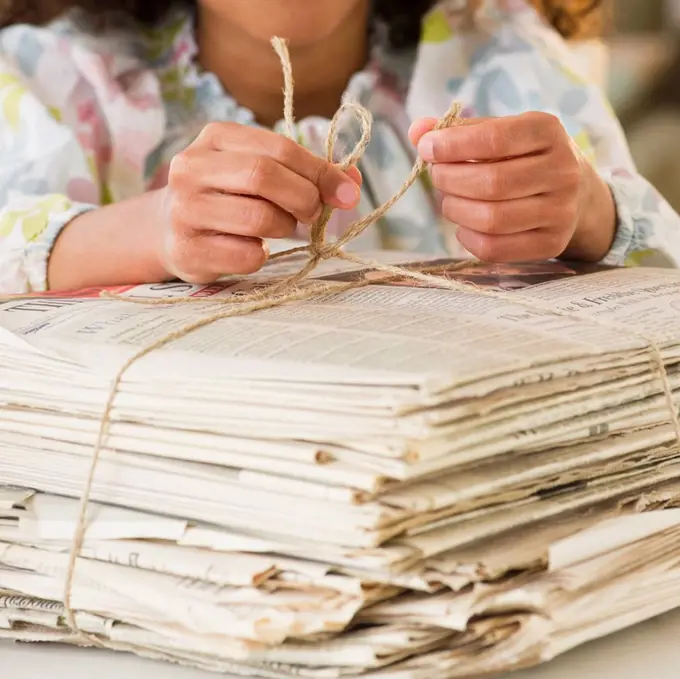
{"x":115,"y":245}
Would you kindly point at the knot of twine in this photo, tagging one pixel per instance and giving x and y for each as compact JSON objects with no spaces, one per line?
{"x":319,"y":248}
{"x":288,"y":290}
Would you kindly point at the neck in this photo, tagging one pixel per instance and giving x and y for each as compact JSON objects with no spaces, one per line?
{"x":322,"y":69}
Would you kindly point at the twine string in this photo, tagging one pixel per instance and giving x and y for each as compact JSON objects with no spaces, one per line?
{"x":299,"y":287}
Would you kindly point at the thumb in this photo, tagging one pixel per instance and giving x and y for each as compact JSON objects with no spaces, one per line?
{"x":419,"y":128}
{"x":354,"y":174}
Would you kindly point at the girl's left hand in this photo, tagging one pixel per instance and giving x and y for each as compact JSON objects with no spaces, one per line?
{"x":529,"y":194}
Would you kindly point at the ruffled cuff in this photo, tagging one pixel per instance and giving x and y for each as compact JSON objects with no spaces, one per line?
{"x":648,"y":229}
{"x":37,"y":251}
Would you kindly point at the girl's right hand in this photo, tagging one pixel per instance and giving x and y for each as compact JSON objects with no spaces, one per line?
{"x":236,"y":186}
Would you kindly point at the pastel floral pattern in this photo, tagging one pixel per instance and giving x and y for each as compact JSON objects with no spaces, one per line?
{"x":33,"y":219}
{"x":125,"y":107}
{"x":12,"y":93}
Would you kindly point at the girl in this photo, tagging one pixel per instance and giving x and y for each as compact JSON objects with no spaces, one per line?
{"x":139,"y":137}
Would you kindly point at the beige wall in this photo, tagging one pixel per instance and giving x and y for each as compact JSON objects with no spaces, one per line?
{"x":639,"y":15}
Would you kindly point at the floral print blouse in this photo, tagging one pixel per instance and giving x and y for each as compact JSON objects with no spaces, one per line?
{"x":86,"y":121}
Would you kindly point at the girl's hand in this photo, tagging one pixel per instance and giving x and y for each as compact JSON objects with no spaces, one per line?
{"x":236,"y":186}
{"x":528,"y":195}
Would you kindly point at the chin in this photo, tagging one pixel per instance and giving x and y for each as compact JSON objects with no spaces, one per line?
{"x":301,"y":22}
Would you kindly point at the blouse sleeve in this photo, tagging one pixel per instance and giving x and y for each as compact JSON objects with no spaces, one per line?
{"x":513,"y":63}
{"x":47,"y":177}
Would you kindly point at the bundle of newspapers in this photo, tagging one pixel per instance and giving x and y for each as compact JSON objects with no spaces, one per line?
{"x":399,"y":480}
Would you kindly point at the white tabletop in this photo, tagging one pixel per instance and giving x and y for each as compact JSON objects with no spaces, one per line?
{"x":650,"y":650}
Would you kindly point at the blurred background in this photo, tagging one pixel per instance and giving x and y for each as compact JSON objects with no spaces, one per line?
{"x":642,"y":76}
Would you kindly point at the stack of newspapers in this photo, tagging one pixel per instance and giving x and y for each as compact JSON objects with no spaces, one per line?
{"x":398,"y":480}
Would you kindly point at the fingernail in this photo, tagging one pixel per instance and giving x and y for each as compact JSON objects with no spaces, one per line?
{"x":347,"y":193}
{"x":426,"y":148}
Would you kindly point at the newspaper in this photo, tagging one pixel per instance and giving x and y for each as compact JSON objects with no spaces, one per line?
{"x":396,"y":479}
{"x":589,"y":584}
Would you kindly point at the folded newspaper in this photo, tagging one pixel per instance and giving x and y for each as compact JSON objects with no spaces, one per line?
{"x":398,"y":480}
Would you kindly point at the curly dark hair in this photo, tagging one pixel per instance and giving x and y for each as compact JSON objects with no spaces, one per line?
{"x":402,"y":17}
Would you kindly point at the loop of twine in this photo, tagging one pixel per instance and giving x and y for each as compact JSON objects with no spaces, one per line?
{"x":288,"y":290}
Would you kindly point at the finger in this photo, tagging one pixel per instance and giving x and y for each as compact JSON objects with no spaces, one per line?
{"x":204,"y":258}
{"x":248,"y":175}
{"x":422,"y":126}
{"x":355,"y":175}
{"x":236,"y":215}
{"x":507,"y":179}
{"x":335,"y":186}
{"x":528,"y":246}
{"x":509,"y":216}
{"x":419,"y":128}
{"x":492,"y":139}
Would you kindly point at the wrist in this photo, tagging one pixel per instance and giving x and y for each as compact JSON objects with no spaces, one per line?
{"x":597,"y":221}
{"x":120,"y":244}
{"x":155,"y":225}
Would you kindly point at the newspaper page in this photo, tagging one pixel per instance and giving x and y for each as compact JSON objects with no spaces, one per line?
{"x":383,"y":334}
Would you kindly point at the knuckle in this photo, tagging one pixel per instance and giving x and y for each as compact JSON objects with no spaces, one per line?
{"x":286,"y":226}
{"x":182,"y":215}
{"x":324,"y":177}
{"x":285,"y":150}
{"x":262,"y":221}
{"x":543,"y":126}
{"x":185,"y":257}
{"x":494,"y":182}
{"x":262,"y":173}
{"x":486,"y":249}
{"x":568,"y":212}
{"x":310,"y":206}
{"x":322,"y":172}
{"x":449,"y":210}
{"x":209,"y":134}
{"x":490,"y":218}
{"x":196,"y":278}
{"x":178,"y":253}
{"x":181,"y":170}
{"x":553,"y":126}
{"x":551,"y":122}
{"x":440,"y":147}
{"x":251,"y":257}
{"x":554,"y":244}
{"x":496,"y":141}
{"x":558,"y":211}
{"x":439,"y":176}
{"x":547,"y":122}
{"x":213,"y":133}
{"x":571,"y":174}
{"x":269,"y":222}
